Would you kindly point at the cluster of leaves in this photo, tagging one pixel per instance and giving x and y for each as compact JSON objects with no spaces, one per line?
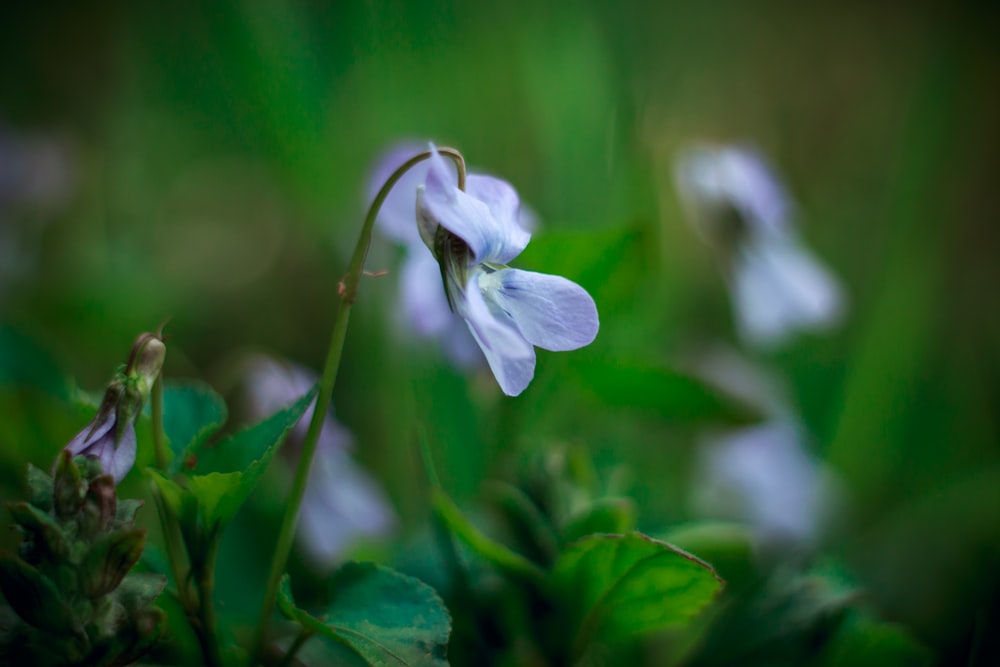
{"x":376,"y":615}
{"x":555,"y":573}
{"x":71,"y":588}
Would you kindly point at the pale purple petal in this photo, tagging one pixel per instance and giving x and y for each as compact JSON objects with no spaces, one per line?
{"x":499,"y":196}
{"x":273,"y":385}
{"x":491,"y":239}
{"x":341,"y":504}
{"x":397,"y":218}
{"x":763,"y":475}
{"x":423,"y":298}
{"x":118,"y":461}
{"x":713,"y":179}
{"x":550,"y":311}
{"x":780,"y":288}
{"x":753,"y":188}
{"x":510,"y":356}
{"x":92,"y":433}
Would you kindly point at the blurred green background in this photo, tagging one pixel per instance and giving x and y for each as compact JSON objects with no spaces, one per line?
{"x":209,"y":163}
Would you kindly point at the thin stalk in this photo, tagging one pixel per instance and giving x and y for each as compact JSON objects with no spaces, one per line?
{"x":348,"y":290}
{"x":205,"y":578}
{"x":300,"y":639}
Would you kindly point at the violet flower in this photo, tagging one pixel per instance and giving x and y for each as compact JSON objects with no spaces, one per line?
{"x":472,"y":235}
{"x":110,"y":437}
{"x":778,"y":287}
{"x":341,"y":502}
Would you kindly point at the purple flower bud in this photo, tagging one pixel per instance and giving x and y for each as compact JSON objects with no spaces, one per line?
{"x":110,"y":437}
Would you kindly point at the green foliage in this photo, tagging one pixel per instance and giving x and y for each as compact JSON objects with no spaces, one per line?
{"x":72,"y":585}
{"x":192,"y":412}
{"x":660,"y":391}
{"x":784,"y":619}
{"x":222,"y":475}
{"x":385,"y":617}
{"x":604,"y":515}
{"x":493,"y":552}
{"x":617,"y":587}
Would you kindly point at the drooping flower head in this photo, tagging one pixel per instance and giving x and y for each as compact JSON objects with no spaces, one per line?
{"x":341,"y":502}
{"x":473,"y":233}
{"x":778,"y":287}
{"x":110,"y":437}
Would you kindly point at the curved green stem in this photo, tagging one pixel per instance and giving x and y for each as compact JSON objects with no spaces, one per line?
{"x":348,"y":289}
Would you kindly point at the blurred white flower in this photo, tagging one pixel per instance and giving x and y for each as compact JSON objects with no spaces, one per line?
{"x":778,"y":286}
{"x":762,"y":474}
{"x":341,"y":503}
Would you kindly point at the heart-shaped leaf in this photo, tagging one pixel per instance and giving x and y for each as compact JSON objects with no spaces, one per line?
{"x":387,"y":618}
{"x":617,"y":587}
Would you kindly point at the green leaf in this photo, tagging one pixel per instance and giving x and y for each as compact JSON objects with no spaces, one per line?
{"x":507,"y":561}
{"x":181,"y":503}
{"x":668,"y":393}
{"x":220,"y":495}
{"x":227,"y":473}
{"x":727,"y":546}
{"x":605,"y":515}
{"x":246,"y":450}
{"x":530,"y":527}
{"x":192,"y":412}
{"x":387,"y":618}
{"x":617,"y":587}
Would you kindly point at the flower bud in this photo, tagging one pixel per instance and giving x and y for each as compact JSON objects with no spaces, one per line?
{"x":100,"y":506}
{"x":39,"y":488}
{"x":68,"y":486}
{"x":44,"y":538}
{"x":151,"y":359}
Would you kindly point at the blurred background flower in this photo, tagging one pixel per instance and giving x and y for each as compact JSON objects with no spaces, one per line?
{"x":776,"y":285}
{"x":342,"y":504}
{"x":764,"y":474}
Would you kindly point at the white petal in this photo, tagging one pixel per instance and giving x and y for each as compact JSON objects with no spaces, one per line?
{"x":779,"y":287}
{"x":550,"y":311}
{"x":510,"y":356}
{"x":490,"y":238}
